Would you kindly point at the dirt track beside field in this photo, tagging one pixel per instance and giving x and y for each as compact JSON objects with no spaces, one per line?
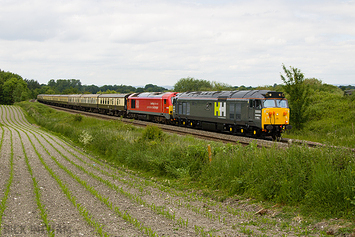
{"x":50,"y":188}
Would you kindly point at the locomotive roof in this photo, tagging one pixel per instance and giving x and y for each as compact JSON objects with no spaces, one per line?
{"x":151,"y":94}
{"x":258,"y":94}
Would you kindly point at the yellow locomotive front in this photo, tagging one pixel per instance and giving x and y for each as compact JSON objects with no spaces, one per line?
{"x":275,"y":114}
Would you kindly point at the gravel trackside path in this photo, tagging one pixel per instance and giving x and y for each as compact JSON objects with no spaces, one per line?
{"x":50,"y":188}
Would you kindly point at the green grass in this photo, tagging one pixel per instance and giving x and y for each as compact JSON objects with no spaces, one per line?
{"x":319,"y":181}
{"x":331,"y":119}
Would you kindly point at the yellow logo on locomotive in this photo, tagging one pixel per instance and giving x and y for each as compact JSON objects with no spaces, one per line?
{"x":220,"y":109}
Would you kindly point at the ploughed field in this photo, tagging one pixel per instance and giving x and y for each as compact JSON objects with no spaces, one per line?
{"x":50,"y":188}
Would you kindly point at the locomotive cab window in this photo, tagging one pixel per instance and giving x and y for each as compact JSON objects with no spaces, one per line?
{"x":231,"y":111}
{"x":281,"y":103}
{"x":269,"y":103}
{"x":255,"y":104}
{"x":184,"y":108}
{"x":133,"y":104}
{"x":238,"y":111}
{"x":180,"y":108}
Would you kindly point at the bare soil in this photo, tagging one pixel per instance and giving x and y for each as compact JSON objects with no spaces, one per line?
{"x":116,"y":201}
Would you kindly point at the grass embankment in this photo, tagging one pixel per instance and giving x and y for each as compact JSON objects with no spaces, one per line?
{"x":320,"y":181}
{"x":331,"y":117}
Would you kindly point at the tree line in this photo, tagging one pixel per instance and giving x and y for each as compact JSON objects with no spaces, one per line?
{"x":13,"y":88}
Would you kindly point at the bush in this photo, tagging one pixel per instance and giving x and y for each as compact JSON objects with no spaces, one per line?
{"x":78,"y":118}
{"x":152,"y":133}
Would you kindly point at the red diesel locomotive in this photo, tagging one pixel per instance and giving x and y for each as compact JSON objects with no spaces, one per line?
{"x":156,"y":107}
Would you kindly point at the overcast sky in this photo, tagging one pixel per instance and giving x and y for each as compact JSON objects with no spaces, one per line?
{"x":135,"y":42}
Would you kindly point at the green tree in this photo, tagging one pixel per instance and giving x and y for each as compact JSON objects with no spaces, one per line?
{"x":220,"y":86}
{"x":6,"y":90}
{"x":154,"y":88}
{"x":34,"y":87}
{"x":192,"y":84}
{"x":15,"y":90}
{"x":298,"y":92}
{"x":92,"y":89}
{"x":50,"y":91}
{"x":71,"y":90}
{"x":108,"y":91}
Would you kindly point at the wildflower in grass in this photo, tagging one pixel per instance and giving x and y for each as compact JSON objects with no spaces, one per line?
{"x":85,"y":138}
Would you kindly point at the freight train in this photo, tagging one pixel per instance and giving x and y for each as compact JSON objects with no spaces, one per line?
{"x":255,"y":113}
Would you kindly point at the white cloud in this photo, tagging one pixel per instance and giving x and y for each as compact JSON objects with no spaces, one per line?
{"x":139,"y":42}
